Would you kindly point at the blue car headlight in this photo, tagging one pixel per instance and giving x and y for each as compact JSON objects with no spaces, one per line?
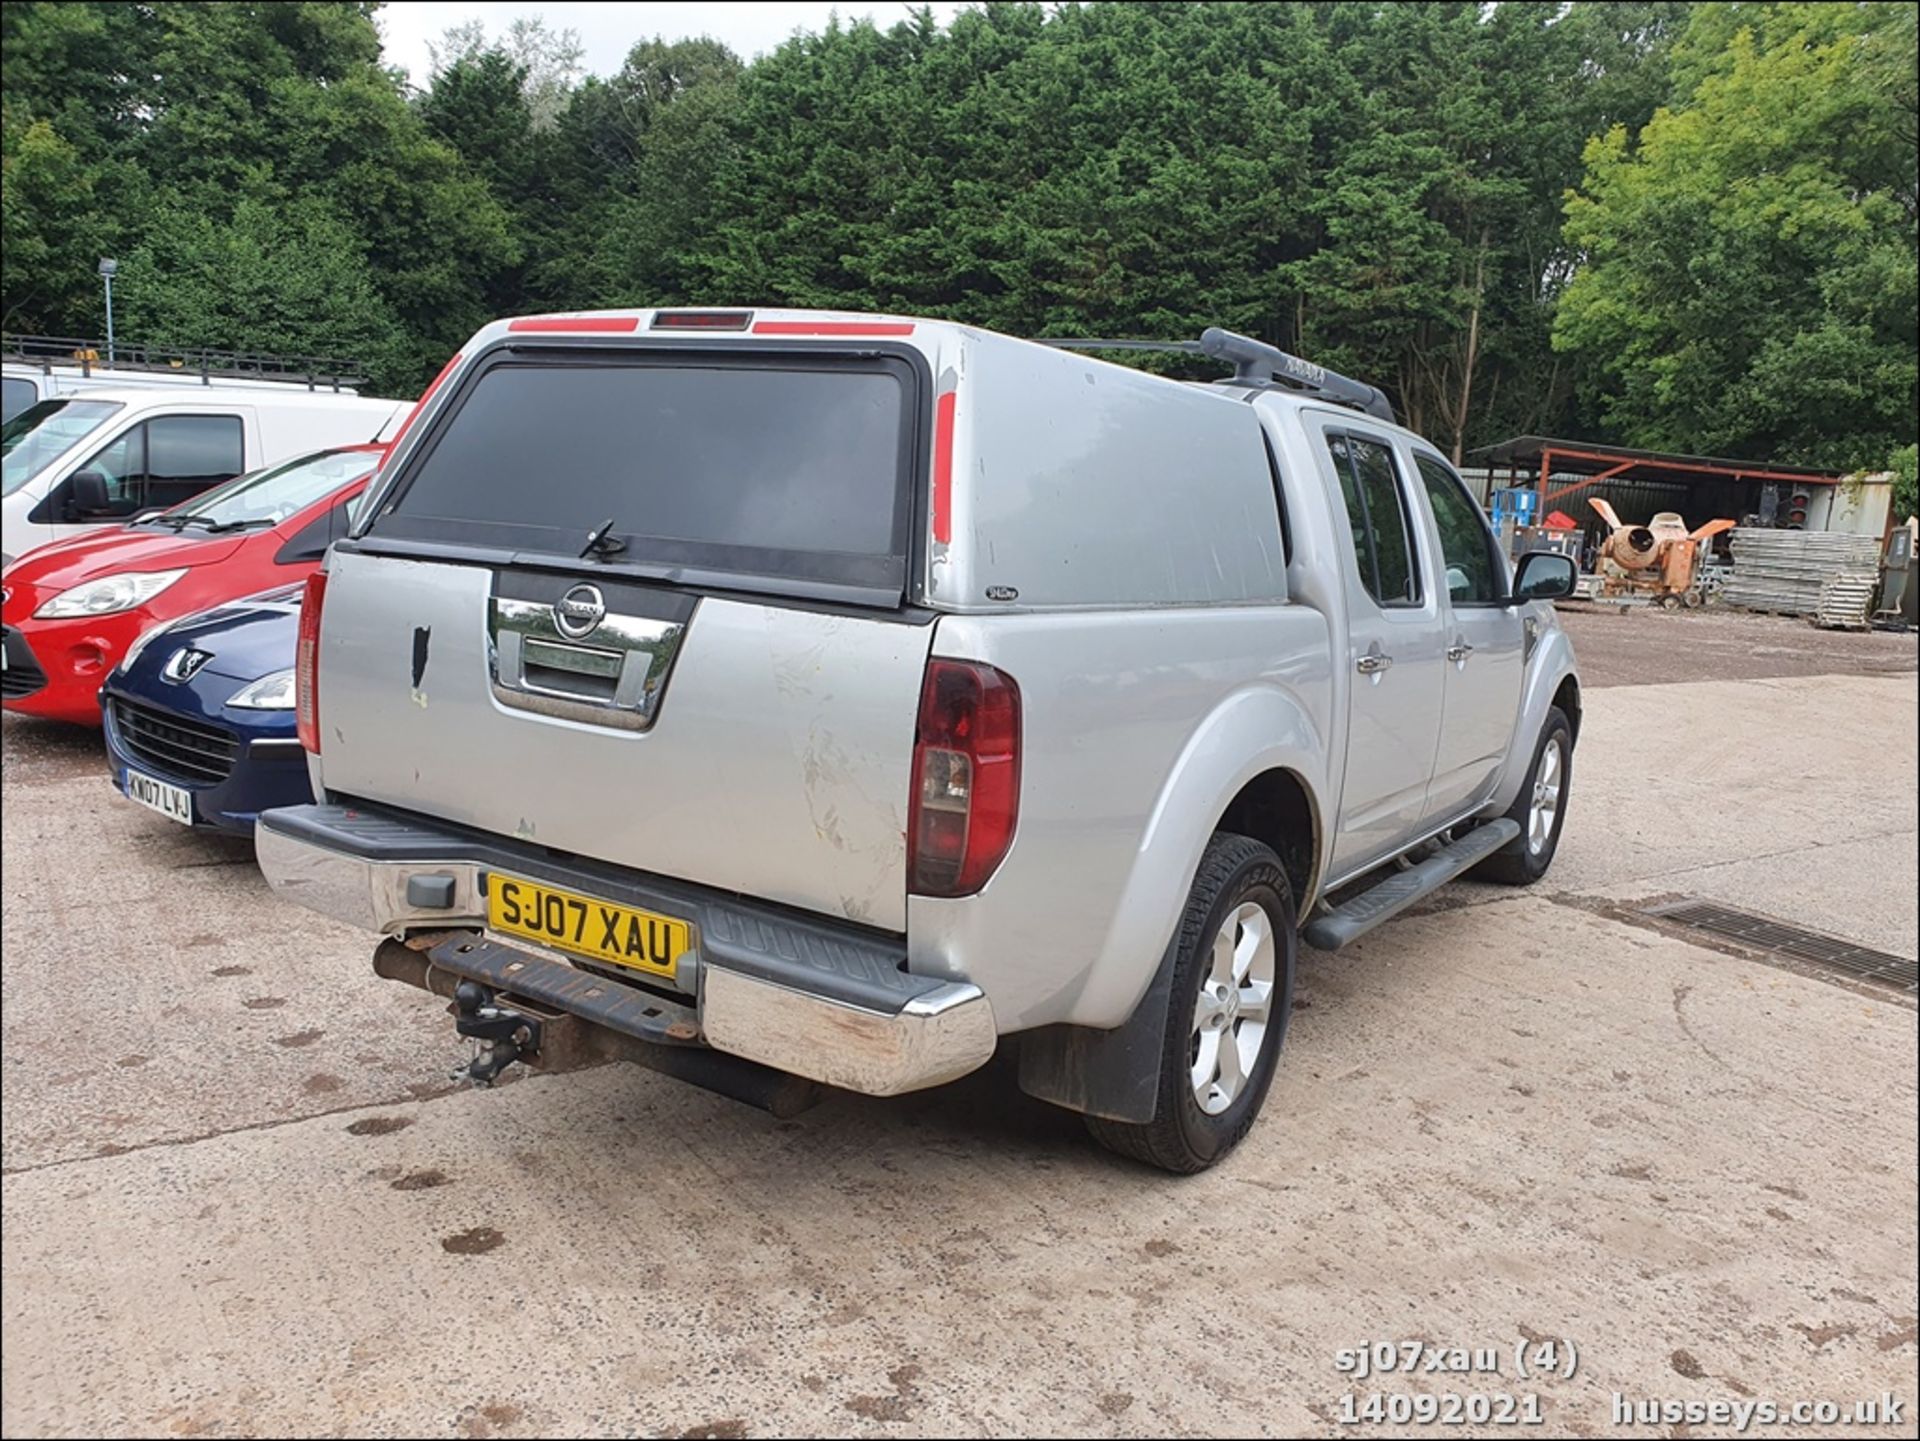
{"x":270,"y":692}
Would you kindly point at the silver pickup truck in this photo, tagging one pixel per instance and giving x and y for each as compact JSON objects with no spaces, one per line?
{"x":782,"y":698}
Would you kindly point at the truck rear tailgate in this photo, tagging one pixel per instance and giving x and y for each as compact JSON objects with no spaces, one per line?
{"x":776,"y":764}
{"x":643,"y":601}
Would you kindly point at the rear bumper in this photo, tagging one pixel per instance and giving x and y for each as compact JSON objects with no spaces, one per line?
{"x":802,"y":995}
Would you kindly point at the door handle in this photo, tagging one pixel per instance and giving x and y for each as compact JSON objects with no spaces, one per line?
{"x":1459,"y":651}
{"x":1372,"y":663}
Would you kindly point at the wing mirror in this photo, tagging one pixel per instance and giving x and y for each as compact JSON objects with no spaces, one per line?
{"x":88,"y":494}
{"x":1543,"y":575}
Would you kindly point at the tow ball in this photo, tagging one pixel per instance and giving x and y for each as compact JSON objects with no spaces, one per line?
{"x":505,"y":1035}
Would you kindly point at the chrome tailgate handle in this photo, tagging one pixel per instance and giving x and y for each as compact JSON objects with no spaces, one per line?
{"x":611,"y":672}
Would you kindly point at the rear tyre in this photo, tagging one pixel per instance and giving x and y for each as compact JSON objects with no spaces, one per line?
{"x":1232,"y":990}
{"x":1540,"y":809}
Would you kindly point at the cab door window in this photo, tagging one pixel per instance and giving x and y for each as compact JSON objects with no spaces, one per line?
{"x":1466,"y":544}
{"x":188,"y":453}
{"x":1377,"y":516}
{"x":122,"y":462}
{"x":168,"y":459}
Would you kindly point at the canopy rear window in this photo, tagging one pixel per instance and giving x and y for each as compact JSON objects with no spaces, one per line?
{"x":719,"y":470}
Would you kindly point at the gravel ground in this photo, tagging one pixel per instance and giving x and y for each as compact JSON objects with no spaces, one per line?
{"x":1644,"y":646}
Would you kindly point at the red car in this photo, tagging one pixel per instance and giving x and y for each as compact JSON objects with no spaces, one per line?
{"x":72,"y":608}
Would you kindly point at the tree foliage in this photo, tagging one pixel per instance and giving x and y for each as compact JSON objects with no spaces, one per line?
{"x":1749,"y":275}
{"x":548,"y":60}
{"x":1382,"y":187}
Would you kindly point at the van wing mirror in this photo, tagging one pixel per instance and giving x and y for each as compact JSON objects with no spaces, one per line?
{"x":1543,"y":575}
{"x":88,"y":494}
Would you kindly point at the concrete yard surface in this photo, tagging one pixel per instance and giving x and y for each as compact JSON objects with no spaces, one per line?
{"x":241,"y":1196}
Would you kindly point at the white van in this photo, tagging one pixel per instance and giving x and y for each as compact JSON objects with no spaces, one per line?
{"x":69,"y":463}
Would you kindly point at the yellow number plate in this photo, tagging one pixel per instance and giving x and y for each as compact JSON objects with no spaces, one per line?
{"x":639,"y":940}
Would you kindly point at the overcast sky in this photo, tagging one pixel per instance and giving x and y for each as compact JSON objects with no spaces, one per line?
{"x":609,"y":30}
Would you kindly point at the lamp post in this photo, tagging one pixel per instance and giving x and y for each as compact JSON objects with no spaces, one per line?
{"x":107,"y":268}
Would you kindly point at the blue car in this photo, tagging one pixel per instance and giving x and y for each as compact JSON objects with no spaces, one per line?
{"x":199,"y":716}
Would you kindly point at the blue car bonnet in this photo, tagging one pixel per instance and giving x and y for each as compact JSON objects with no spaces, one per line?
{"x":244,"y":639}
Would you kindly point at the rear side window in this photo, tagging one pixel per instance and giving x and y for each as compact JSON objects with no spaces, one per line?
{"x":1377,"y":514}
{"x":715,"y":468}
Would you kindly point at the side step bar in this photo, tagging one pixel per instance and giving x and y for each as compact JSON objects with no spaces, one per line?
{"x":1332,"y":929}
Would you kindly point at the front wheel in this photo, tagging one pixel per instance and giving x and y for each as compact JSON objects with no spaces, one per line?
{"x":1540,"y":809}
{"x":1232,"y":990}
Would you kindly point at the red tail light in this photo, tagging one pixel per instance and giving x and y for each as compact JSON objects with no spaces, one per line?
{"x":306,"y":664}
{"x":966,"y":778}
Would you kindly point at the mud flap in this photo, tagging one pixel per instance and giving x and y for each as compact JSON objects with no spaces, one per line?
{"x":1114,"y":1074}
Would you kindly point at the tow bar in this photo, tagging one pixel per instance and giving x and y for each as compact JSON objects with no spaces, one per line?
{"x":504,"y":1033}
{"x":521,"y":1006}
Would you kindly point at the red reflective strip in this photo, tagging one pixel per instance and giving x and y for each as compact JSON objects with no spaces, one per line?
{"x":577,"y":324}
{"x":833,"y":327}
{"x":943,"y":468}
{"x":421,"y":404}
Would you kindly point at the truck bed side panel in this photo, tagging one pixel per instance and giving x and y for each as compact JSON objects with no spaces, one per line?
{"x":1139,"y":728}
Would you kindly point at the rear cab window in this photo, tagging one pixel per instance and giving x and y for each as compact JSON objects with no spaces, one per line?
{"x":1383,"y":546}
{"x":788,"y":473}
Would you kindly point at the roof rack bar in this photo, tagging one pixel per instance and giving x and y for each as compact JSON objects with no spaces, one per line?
{"x":202,"y":362}
{"x":1255,"y":362}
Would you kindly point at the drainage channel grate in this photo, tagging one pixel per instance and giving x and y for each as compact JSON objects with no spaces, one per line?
{"x":1828,"y":953}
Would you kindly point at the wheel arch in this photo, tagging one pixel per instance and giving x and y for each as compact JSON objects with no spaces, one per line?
{"x":1278,"y":809}
{"x":1250,"y":766}
{"x":1567,"y":697}
{"x":1551,"y":680}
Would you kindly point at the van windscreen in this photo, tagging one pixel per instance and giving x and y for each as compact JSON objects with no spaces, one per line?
{"x":729,"y":467}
